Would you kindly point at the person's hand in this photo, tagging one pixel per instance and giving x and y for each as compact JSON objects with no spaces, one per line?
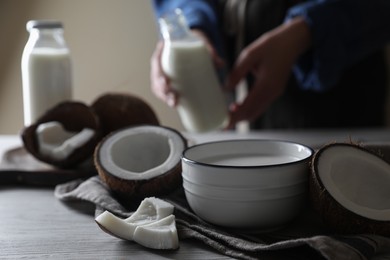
{"x":160,"y":83}
{"x":270,"y":59}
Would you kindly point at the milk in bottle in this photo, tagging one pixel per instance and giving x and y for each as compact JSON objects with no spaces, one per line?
{"x":188,"y":64}
{"x":46,"y":69}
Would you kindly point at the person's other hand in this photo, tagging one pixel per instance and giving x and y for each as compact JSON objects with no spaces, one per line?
{"x":161,"y":84}
{"x":270,"y":59}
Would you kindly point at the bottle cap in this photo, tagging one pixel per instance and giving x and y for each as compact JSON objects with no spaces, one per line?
{"x":43,"y":24}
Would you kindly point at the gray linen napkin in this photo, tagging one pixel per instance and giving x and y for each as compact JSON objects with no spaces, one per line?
{"x":305,"y":238}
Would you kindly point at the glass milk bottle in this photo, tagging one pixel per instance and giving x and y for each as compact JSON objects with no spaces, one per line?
{"x":46,"y":69}
{"x":187,"y":62}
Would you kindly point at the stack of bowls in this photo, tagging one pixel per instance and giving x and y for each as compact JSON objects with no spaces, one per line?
{"x":250,"y":184}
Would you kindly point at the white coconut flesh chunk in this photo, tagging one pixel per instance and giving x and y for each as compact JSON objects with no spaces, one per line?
{"x":115,"y":226}
{"x":57,"y":143}
{"x":161,"y":234}
{"x":153,"y":217}
{"x":141,"y":152}
{"x":358,"y":180}
{"x":150,"y":209}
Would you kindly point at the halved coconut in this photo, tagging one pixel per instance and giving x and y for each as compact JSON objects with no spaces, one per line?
{"x":64,"y":120}
{"x":119,"y":110}
{"x":350,"y":188}
{"x":141,"y":161}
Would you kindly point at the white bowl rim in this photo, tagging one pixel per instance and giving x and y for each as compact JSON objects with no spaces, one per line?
{"x":191,"y":161}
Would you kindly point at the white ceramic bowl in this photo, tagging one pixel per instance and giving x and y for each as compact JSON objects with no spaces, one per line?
{"x":243,"y":194}
{"x":246,"y":183}
{"x":261,"y":215}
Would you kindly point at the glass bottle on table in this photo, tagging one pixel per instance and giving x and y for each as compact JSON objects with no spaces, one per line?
{"x":187,"y":62}
{"x":46,"y":69}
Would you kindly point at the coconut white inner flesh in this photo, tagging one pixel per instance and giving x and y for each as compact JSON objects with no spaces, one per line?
{"x":151,"y":225}
{"x":161,"y":234}
{"x":141,"y":152}
{"x":150,"y":209}
{"x":57,"y":143}
{"x":358,"y":180}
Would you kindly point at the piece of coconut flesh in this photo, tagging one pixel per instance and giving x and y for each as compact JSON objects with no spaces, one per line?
{"x":153,"y":215}
{"x":161,"y":234}
{"x":115,"y":226}
{"x":57,"y":143}
{"x":358,"y":180}
{"x":151,"y":209}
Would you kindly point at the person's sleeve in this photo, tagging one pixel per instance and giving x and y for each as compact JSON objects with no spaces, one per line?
{"x":343,"y":32}
{"x":200,"y":14}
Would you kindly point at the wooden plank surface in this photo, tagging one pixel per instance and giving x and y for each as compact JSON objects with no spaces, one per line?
{"x":35,"y":225}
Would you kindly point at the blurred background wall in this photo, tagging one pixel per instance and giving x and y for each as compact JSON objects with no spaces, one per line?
{"x":111,"y":42}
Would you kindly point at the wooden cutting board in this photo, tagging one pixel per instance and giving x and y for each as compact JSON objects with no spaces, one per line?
{"x":17,"y":166}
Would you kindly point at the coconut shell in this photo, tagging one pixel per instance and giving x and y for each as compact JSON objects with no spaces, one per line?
{"x":333,"y":214}
{"x":119,"y":110}
{"x":74,"y":116}
{"x":128,"y":189}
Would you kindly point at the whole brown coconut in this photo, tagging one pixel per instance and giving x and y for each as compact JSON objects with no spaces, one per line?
{"x":349,"y":189}
{"x":74,"y":116}
{"x":140,"y":161}
{"x":119,"y":110}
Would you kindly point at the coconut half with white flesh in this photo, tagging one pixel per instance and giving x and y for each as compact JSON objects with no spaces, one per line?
{"x":141,"y":161}
{"x":65,"y":136}
{"x":350,"y":188}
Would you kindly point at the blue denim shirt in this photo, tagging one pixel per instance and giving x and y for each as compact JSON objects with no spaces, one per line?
{"x":343,"y":32}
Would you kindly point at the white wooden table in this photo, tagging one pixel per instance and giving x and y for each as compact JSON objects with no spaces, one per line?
{"x":35,"y":225}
